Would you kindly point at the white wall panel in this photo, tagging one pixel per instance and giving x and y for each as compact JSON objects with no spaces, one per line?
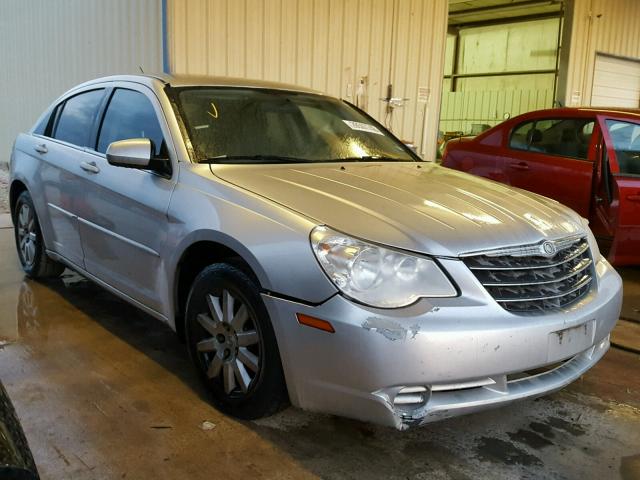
{"x":616,"y":83}
{"x":50,"y":46}
{"x":595,"y":26}
{"x":324,"y":44}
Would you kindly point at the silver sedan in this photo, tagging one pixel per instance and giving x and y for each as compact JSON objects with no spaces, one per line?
{"x":305,"y":254}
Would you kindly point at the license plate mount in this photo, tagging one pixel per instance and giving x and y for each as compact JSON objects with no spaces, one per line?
{"x":570,"y":341}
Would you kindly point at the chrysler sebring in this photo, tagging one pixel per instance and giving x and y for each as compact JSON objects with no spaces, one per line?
{"x":305,"y":254}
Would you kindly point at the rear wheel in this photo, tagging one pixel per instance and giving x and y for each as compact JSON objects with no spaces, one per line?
{"x":29,"y":241}
{"x":232,"y":343}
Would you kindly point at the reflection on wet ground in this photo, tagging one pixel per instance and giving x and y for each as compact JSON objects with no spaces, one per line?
{"x":104,"y":391}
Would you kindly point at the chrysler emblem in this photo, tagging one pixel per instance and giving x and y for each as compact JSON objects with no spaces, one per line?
{"x":549,"y":249}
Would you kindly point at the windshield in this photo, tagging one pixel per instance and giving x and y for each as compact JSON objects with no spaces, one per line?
{"x":228,"y":125}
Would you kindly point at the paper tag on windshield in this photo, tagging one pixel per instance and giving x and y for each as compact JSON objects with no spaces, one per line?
{"x":363,"y":127}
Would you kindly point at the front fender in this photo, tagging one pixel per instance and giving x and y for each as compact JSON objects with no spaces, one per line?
{"x":271,"y":239}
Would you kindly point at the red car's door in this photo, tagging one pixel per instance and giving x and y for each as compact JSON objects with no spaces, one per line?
{"x":553,"y":157}
{"x":622,"y":142}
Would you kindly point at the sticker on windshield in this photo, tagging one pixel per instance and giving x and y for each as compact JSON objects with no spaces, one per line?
{"x":363,"y":127}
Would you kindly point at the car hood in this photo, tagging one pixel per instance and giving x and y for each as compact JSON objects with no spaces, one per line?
{"x":419,"y":207}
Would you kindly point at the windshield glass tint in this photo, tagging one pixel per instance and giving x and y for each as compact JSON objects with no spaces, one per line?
{"x":245,"y":123}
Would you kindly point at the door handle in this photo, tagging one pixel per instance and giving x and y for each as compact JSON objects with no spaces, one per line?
{"x":634,"y":198}
{"x":519,"y":165}
{"x":42,"y":148}
{"x":89,"y":167}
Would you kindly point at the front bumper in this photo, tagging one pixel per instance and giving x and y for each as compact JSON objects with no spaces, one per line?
{"x":453,"y":356}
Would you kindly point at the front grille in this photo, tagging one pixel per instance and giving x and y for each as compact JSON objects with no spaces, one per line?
{"x":526,"y":280}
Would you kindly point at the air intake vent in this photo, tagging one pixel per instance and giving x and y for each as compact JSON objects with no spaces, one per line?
{"x":536,"y":278}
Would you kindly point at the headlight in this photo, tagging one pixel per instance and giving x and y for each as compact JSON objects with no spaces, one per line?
{"x":591,"y":239}
{"x":377,"y":276}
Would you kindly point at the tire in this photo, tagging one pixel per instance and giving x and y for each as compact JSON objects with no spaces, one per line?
{"x":30,"y":243}
{"x":232,"y":344}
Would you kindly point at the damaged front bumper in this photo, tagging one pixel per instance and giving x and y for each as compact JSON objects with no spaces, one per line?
{"x":438,"y":358}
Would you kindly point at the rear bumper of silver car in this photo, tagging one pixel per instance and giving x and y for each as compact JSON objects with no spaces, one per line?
{"x":438,"y":358}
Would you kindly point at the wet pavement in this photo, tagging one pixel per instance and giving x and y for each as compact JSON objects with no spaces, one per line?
{"x":104,"y":391}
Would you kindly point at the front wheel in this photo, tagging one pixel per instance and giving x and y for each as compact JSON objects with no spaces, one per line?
{"x":29,"y":241}
{"x":232,"y":343}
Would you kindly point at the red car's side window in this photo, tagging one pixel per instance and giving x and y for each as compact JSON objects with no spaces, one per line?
{"x":567,"y":137}
{"x":625,"y":138}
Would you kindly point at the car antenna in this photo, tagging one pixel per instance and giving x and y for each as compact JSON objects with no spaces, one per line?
{"x":141,"y":70}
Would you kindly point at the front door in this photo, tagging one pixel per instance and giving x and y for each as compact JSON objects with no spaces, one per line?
{"x":553,"y":157}
{"x":124,"y":226}
{"x":622,"y":153}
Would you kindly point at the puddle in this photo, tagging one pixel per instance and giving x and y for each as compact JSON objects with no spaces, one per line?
{"x":497,"y":450}
{"x":532,"y":439}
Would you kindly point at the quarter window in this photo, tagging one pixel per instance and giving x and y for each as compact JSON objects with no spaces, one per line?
{"x":562,"y":137}
{"x":44,"y":125}
{"x":77,"y":117}
{"x":130,"y":114}
{"x":626,"y":144}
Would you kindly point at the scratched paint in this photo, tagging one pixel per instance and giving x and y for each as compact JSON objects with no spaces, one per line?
{"x":389,"y":329}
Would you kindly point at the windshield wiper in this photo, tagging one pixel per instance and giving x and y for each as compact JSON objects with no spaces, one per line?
{"x":254,"y":159}
{"x":371,"y":158}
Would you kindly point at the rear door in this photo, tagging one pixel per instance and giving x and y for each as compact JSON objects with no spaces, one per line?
{"x":62,"y":154}
{"x":125,"y":223}
{"x":553,"y":157}
{"x":622,"y":143}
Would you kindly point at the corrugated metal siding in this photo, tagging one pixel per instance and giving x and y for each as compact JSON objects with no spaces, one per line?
{"x":324,"y":44}
{"x":468,"y":111}
{"x":48,"y":47}
{"x":597,"y":26}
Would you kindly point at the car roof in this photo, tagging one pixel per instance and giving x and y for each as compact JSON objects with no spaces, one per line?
{"x":200,"y":81}
{"x":568,"y":111}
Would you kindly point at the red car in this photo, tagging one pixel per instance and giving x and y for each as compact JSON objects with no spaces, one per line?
{"x":586,"y":158}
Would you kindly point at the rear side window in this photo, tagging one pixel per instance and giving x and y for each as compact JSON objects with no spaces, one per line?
{"x":130,"y":114}
{"x":42,"y":127}
{"x":567,"y":137}
{"x":77,"y":117}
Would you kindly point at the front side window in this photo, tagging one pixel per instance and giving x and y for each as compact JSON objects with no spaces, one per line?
{"x":625,"y":137}
{"x":77,"y":117}
{"x":130,"y":114}
{"x":562,"y":137}
{"x":267,"y":126}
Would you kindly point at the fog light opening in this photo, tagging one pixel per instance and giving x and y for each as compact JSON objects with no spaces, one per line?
{"x":410,"y":399}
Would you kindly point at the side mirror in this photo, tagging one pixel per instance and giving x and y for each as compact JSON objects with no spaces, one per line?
{"x":132,"y":153}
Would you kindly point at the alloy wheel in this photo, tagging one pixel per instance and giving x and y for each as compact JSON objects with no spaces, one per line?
{"x":27,"y":236}
{"x":230,"y":349}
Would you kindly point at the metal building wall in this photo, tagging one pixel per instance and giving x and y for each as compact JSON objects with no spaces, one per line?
{"x":595,"y":26}
{"x":50,"y":46}
{"x":324,"y":44}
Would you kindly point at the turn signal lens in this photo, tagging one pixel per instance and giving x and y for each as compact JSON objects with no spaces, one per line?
{"x":314,"y":323}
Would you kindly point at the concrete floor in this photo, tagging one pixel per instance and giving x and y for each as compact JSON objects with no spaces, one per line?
{"x":4,"y":188}
{"x":104,"y":391}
